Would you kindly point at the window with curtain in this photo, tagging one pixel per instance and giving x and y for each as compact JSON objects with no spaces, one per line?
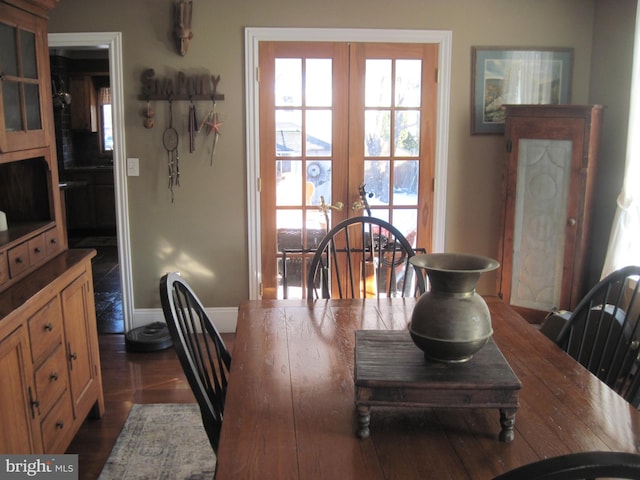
{"x":624,"y":242}
{"x":106,"y":124}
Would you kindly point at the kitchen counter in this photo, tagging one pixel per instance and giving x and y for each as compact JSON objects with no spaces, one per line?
{"x":89,"y":168}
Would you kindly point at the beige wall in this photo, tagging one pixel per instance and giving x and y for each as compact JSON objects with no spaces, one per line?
{"x":610,"y":85}
{"x":203,"y":234}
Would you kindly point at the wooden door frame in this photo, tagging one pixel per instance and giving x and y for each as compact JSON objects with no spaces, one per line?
{"x":112,"y":41}
{"x":255,"y":35}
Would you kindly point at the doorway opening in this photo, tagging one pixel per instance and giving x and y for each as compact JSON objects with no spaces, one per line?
{"x":92,"y":175}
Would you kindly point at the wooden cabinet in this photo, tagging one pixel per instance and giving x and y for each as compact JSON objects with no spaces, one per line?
{"x":548,"y":186}
{"x":90,"y":203}
{"x":84,"y":103}
{"x":20,"y":432}
{"x":79,"y":328}
{"x":49,"y":361}
{"x":105,"y":199}
{"x":29,"y":193}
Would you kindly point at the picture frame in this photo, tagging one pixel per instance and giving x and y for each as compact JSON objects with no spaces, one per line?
{"x":502,"y":76}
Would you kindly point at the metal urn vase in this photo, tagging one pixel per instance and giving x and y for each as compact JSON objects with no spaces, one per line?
{"x":450,"y":321}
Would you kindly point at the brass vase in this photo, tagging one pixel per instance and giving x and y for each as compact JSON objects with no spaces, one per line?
{"x":450,"y":321}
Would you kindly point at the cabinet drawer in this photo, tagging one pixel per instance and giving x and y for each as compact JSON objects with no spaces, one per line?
{"x":37,"y":250}
{"x":18,"y":259}
{"x":57,"y":426}
{"x":52,"y":242}
{"x":45,"y":330}
{"x":51,"y":379}
{"x":4,"y":268}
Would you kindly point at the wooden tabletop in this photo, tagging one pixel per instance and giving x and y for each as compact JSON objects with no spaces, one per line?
{"x":290,"y":408}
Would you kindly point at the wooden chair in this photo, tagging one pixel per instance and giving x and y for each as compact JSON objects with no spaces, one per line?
{"x":363,"y":257}
{"x":579,"y":466}
{"x":202,"y":353}
{"x":602,"y":332}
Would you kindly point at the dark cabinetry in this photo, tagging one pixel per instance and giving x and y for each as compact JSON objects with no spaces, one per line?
{"x":90,"y":199}
{"x":84,"y":107}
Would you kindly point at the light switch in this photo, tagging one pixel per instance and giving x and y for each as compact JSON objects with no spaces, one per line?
{"x":133,"y":167}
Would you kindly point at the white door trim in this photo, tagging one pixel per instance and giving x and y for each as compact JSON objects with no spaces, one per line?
{"x":113,"y":42}
{"x":254,"y":35}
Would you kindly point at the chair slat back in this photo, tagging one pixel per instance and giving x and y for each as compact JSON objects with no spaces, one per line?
{"x":363,"y":257}
{"x":602,"y":333}
{"x":203,"y":355}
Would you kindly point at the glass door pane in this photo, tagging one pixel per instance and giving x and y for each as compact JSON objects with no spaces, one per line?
{"x":544,"y":171}
{"x":21,"y":85}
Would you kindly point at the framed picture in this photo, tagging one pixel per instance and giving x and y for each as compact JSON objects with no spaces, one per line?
{"x":502,"y":76}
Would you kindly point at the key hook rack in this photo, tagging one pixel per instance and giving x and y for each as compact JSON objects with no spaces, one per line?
{"x":183,"y":88}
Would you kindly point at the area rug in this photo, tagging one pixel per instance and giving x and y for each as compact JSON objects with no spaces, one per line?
{"x":161,"y":441}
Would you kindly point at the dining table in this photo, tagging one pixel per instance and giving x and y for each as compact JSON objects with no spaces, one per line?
{"x":290,"y":409}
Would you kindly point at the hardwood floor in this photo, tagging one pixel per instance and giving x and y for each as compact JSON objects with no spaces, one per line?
{"x":128,"y":378}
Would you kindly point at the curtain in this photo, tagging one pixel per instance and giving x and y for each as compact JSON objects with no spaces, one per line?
{"x":528,"y":78}
{"x":104,"y":96}
{"x":624,"y":242}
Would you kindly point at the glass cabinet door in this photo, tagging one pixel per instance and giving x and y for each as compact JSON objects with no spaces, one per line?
{"x":542,"y":193}
{"x":21,"y":87}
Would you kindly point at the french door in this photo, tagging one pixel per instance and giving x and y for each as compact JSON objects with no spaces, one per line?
{"x":345,"y":129}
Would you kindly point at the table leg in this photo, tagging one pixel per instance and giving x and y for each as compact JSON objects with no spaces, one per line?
{"x":507,"y":422}
{"x":364,"y":417}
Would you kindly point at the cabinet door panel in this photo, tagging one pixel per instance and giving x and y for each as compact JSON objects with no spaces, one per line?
{"x":83,"y":107}
{"x":548,"y":187}
{"x":77,"y":314}
{"x":79,"y":202}
{"x":20,"y":429}
{"x":105,"y":206}
{"x":542,"y":188}
{"x":24,"y":91}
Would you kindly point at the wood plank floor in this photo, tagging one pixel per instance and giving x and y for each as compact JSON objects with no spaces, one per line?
{"x":128,"y":378}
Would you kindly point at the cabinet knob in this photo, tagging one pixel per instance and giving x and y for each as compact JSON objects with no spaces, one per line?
{"x":572,"y":222}
{"x":59,"y":424}
{"x":53,"y":241}
{"x":19,"y":260}
{"x":54,"y":377}
{"x":37,"y":250}
{"x":48,"y":327}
